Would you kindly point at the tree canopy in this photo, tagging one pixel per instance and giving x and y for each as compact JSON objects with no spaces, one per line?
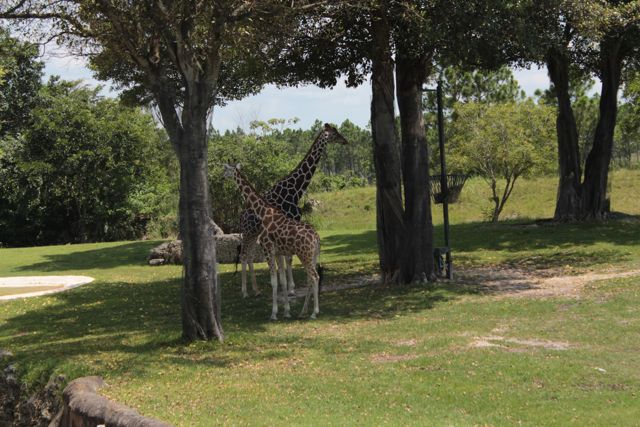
{"x":20,"y":74}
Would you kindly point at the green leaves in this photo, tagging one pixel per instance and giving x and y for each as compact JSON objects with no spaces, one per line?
{"x":85,"y":169}
{"x":20,"y":73}
{"x":502,"y":142}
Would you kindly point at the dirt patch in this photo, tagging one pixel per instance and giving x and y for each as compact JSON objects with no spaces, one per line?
{"x":406,"y":343}
{"x":390,"y":358}
{"x":522,"y":345}
{"x":540,"y":283}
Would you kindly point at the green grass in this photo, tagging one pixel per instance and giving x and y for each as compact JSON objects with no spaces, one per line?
{"x":376,"y":355}
{"x":15,"y":290}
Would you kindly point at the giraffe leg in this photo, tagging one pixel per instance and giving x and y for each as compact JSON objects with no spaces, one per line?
{"x":290,"y":283}
{"x":316,"y":303}
{"x":247,"y":249}
{"x":315,"y":277}
{"x":254,"y":284}
{"x":271,"y":261}
{"x":244,"y":280}
{"x":251,"y":247}
{"x":283,"y":283}
{"x":313,"y":282}
{"x":306,"y":303}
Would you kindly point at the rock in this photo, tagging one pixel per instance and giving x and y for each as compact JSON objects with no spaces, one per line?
{"x":169,"y":252}
{"x":227,"y":250}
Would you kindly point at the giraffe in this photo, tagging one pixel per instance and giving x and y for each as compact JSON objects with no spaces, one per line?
{"x":281,"y":235}
{"x":284,"y":195}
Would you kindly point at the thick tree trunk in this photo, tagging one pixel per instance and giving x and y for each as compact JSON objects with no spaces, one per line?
{"x":596,"y":172}
{"x":416,"y":263}
{"x":568,"y":201}
{"x":386,"y":151}
{"x":200,"y":289}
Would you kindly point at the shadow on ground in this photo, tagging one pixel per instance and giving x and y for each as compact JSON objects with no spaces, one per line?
{"x":121,"y":328}
{"x":121,"y":255}
{"x":515,"y":237}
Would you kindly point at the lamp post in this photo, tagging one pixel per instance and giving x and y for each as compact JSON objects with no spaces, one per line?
{"x":443,"y":178}
{"x":444,"y":189}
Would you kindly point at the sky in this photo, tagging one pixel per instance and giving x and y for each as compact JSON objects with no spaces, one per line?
{"x":307,"y":103}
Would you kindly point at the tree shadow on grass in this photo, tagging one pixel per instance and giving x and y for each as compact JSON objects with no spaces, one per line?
{"x":119,"y":255}
{"x":119,"y":328}
{"x":519,"y":237}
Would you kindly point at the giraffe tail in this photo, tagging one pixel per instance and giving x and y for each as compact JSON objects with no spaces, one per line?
{"x":320,"y":270}
{"x":319,"y":267}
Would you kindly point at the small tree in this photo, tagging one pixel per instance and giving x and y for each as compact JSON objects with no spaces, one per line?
{"x":501,"y":143}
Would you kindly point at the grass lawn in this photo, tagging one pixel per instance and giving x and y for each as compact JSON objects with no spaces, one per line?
{"x":443,"y":354}
{"x":15,"y":290}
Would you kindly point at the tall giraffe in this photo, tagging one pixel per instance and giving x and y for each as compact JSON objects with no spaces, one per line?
{"x":284,"y":195}
{"x":281,"y":235}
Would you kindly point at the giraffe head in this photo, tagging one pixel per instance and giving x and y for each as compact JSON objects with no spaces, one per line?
{"x":229,"y":170}
{"x":332,"y":135}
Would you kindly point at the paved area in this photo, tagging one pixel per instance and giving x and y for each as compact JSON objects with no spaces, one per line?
{"x":56,"y":284}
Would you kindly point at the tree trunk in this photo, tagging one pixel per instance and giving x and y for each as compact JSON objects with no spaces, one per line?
{"x":568,"y":201}
{"x":416,"y":263}
{"x":200,"y":289}
{"x":386,"y":151}
{"x":596,"y":172}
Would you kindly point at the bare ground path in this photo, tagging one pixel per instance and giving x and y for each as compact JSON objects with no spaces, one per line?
{"x":514,"y":282}
{"x":505,"y":281}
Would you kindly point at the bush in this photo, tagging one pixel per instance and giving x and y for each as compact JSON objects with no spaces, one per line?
{"x":86,"y":169}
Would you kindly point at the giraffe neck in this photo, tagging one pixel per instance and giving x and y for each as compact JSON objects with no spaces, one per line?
{"x":295,"y":184}
{"x":257,"y":203}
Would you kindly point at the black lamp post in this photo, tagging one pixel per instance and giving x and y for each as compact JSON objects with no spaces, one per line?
{"x":443,"y":179}
{"x":445,"y":193}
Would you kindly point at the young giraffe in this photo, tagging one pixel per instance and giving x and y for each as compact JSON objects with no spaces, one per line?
{"x":281,"y":235}
{"x":284,"y":195}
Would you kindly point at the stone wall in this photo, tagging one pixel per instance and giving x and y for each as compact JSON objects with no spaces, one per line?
{"x":84,"y":407}
{"x":80,"y":406}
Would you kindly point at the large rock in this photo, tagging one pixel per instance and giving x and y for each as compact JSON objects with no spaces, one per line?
{"x":227,"y":250}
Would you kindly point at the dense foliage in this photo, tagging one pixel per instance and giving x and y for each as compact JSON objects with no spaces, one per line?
{"x":20,"y":75}
{"x":270,"y":151}
{"x":86,"y":169}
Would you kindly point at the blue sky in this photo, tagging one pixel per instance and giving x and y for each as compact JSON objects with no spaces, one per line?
{"x":307,"y":103}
